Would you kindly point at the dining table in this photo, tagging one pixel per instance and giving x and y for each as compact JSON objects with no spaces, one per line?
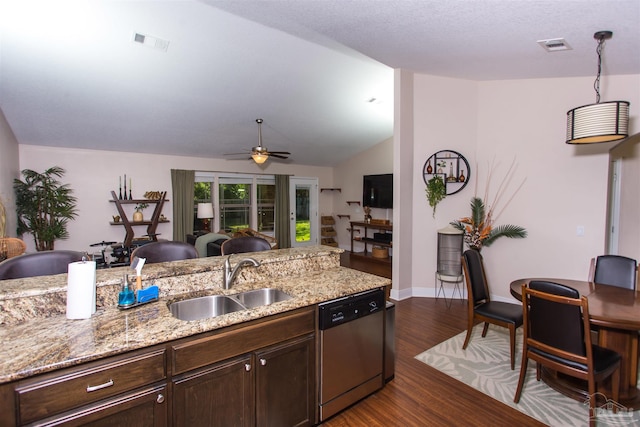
{"x":614,"y":313}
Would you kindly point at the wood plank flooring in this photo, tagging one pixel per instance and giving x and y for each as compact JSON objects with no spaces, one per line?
{"x":421,"y":395}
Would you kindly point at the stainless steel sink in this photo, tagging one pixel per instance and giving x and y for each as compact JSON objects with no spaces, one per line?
{"x":260,"y":297}
{"x":217,"y":305}
{"x":205,"y":307}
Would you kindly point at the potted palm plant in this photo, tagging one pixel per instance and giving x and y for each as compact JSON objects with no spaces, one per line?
{"x":44,"y":206}
{"x":479,"y":230}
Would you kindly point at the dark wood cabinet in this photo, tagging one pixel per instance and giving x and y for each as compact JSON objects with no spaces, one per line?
{"x":285,"y":384}
{"x":260,"y":373}
{"x":145,"y":408}
{"x":125,"y":388}
{"x":219,"y":395}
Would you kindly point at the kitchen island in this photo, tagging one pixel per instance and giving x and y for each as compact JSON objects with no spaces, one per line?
{"x":40,"y":344}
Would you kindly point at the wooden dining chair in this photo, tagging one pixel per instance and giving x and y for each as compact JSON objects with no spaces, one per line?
{"x":557,"y":335}
{"x":481,"y":308}
{"x":614,"y":270}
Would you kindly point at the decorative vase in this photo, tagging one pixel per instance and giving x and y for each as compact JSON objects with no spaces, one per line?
{"x":429,"y":168}
{"x":137,"y":216}
{"x":461,"y":178}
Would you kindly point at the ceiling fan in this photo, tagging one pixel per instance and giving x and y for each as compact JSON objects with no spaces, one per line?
{"x":260,"y":154}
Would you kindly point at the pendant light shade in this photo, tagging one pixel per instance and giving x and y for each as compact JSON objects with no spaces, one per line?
{"x":603,"y":122}
{"x":599,"y":122}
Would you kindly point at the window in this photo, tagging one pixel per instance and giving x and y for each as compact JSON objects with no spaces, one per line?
{"x":240,"y":201}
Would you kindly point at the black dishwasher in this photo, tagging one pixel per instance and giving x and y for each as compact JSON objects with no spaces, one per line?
{"x":351,"y":349}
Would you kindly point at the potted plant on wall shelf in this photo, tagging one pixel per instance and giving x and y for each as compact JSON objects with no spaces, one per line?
{"x":436,"y":191}
{"x":44,"y":206}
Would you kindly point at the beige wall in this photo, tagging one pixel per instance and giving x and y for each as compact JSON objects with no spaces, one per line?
{"x":565,"y":187}
{"x":9,"y":170}
{"x":628,"y":153}
{"x":348,"y":177}
{"x":93,"y":174}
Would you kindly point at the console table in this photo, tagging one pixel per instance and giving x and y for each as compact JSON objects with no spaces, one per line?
{"x":364,"y":238}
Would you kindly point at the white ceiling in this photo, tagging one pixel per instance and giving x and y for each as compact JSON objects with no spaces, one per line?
{"x":71,"y":76}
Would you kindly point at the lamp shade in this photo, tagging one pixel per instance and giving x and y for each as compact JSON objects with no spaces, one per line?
{"x":259,"y":158}
{"x":601,"y":122}
{"x":205,"y":210}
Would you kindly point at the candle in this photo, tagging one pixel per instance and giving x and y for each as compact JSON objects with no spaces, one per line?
{"x":119,"y":182}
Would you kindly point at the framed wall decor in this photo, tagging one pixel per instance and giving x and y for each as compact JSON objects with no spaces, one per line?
{"x":452,"y":166}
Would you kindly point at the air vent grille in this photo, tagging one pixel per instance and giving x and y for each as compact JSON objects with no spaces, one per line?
{"x":151,"y":41}
{"x":554,"y":45}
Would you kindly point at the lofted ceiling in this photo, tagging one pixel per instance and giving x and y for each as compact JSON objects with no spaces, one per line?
{"x":319,"y":72}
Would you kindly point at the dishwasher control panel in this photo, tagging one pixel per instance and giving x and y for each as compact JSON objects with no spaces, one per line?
{"x":352,"y":307}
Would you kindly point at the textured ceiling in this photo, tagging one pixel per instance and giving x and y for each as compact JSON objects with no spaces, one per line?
{"x":70,"y":74}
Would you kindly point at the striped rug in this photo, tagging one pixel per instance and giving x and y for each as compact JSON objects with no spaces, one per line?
{"x":485,"y":366}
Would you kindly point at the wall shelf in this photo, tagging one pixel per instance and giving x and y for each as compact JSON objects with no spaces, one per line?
{"x":128,"y":225}
{"x":343,"y":216}
{"x":353,"y":202}
{"x":339,"y":190}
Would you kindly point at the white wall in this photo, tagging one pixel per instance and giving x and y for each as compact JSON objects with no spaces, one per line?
{"x":9,"y":170}
{"x":348,"y":177}
{"x":566,"y":186}
{"x":92,"y":174}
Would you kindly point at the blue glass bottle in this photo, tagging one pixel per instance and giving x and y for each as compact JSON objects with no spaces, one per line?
{"x":126,"y":296}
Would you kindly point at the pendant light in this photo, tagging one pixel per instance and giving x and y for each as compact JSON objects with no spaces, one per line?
{"x":602,"y":121}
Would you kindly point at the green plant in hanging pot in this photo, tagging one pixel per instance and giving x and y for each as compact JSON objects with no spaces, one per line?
{"x":436,"y":191}
{"x":44,"y":206}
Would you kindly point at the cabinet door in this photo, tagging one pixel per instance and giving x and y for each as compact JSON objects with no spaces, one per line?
{"x":218,"y":395}
{"x":145,"y":408}
{"x":285,"y":384}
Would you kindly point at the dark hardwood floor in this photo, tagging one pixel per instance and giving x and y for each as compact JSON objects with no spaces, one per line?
{"x":421,"y":395}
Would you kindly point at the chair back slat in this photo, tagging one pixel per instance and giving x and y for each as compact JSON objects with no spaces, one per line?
{"x":616,"y":270}
{"x":556,"y":324}
{"x":479,"y":289}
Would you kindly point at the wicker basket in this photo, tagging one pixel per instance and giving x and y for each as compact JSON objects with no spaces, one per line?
{"x":379,"y":252}
{"x":10,"y":247}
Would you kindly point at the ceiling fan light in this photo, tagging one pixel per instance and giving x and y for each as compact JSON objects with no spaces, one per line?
{"x":602,"y":122}
{"x":259,"y":158}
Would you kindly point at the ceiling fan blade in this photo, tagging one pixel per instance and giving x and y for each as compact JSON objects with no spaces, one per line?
{"x":278,"y":156}
{"x":245,"y":153}
{"x":282,"y":153}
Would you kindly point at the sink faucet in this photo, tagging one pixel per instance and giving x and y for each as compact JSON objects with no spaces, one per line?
{"x":230,"y":274}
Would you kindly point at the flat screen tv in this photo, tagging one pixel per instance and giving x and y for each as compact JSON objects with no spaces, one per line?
{"x":377,"y":191}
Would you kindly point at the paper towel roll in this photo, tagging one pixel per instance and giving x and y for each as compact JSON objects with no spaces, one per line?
{"x":81,"y":290}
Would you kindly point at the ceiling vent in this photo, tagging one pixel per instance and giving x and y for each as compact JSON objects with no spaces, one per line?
{"x":554,"y":45}
{"x":151,"y":41}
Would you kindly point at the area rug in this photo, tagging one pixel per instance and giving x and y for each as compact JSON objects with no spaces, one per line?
{"x":485,"y":366}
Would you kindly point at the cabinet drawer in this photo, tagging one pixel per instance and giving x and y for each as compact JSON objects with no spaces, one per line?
{"x":197,"y":353}
{"x":44,"y":396}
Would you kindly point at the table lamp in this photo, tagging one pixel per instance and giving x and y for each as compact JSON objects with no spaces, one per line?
{"x":205,"y":213}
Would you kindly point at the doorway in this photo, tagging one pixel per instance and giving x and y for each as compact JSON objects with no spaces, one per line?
{"x":303,"y":218}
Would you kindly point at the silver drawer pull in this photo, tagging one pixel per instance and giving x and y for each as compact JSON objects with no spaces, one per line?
{"x":263,"y":362}
{"x":91,"y":388}
{"x":247,"y":367}
{"x":160,"y":398}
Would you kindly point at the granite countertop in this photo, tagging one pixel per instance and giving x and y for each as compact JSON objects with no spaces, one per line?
{"x":44,"y":343}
